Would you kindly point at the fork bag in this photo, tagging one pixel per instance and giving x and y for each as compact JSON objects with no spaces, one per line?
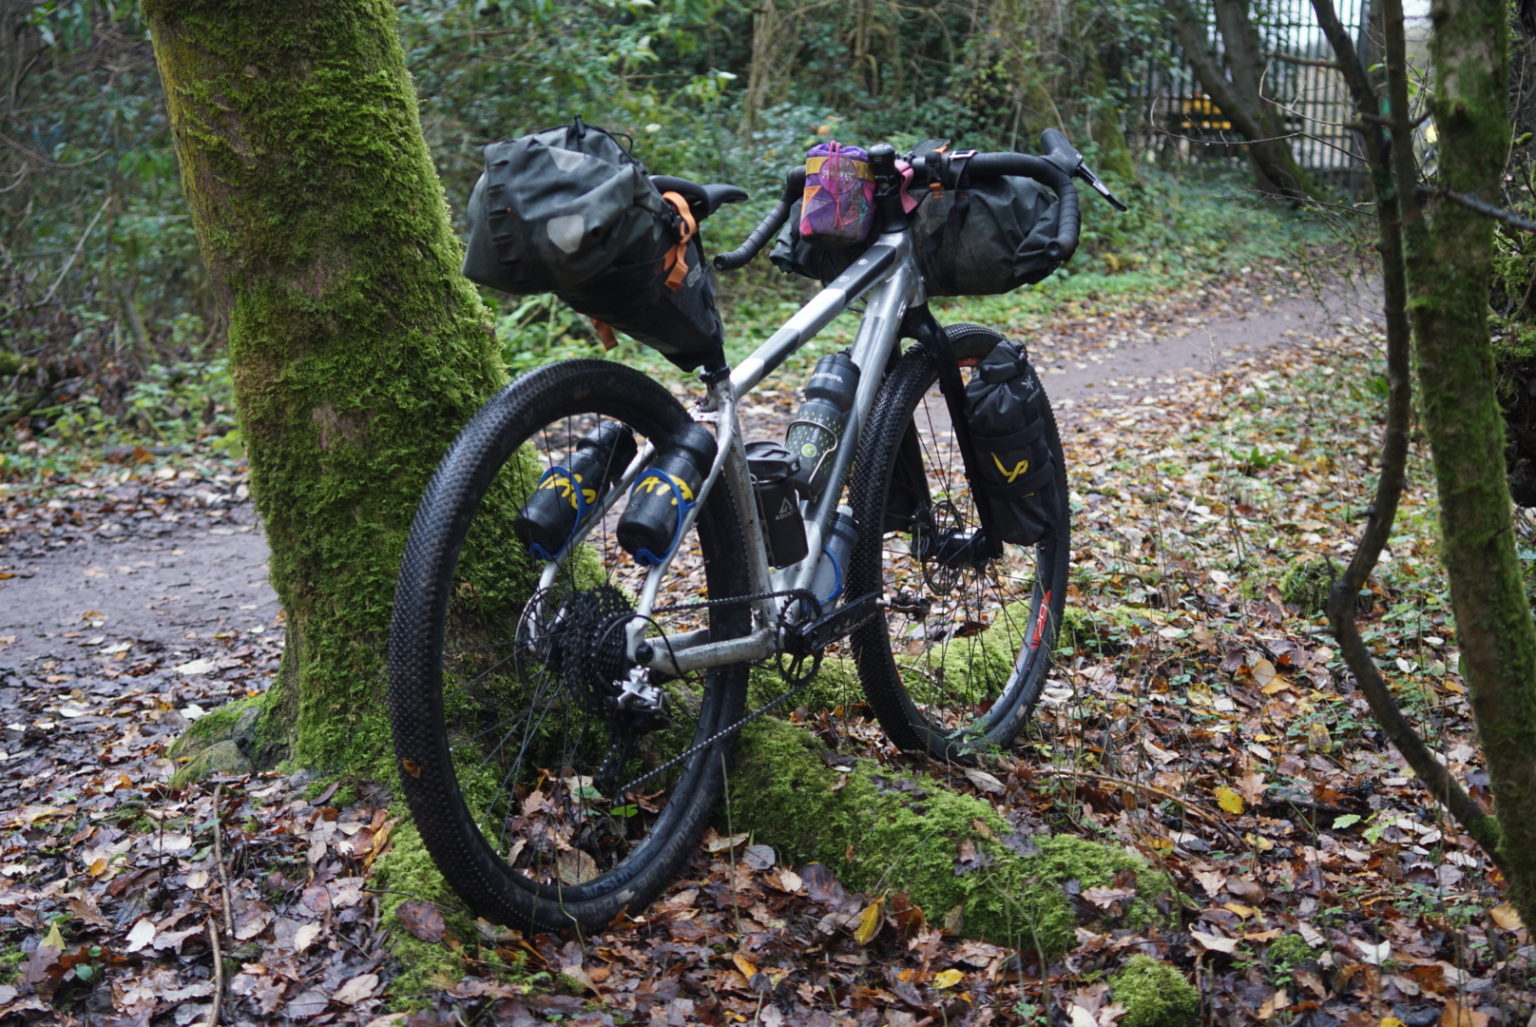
{"x":1005,"y":409}
{"x":570,"y":211}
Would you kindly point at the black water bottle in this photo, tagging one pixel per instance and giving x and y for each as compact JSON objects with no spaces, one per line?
{"x":813,"y":434}
{"x":663,"y":493}
{"x":568,"y":492}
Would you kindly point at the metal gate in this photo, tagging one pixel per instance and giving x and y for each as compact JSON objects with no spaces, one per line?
{"x":1178,"y":122}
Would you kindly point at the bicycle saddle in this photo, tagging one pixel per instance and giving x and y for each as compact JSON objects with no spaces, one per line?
{"x":703,"y":198}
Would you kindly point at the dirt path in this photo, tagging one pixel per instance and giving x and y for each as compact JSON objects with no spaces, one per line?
{"x":176,"y":579}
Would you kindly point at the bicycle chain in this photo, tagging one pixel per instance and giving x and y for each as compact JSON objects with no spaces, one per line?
{"x":748,"y":718}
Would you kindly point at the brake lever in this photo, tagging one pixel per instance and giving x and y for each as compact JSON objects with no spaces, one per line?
{"x":1082,"y":171}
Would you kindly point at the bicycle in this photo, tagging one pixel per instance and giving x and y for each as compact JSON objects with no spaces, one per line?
{"x":562,"y":721}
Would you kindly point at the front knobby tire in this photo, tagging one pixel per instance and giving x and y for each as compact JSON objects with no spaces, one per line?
{"x":958,"y":656}
{"x":544,"y":800}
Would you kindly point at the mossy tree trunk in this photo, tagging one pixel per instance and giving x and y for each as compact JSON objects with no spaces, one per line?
{"x":356,"y":346}
{"x":1449,"y":250}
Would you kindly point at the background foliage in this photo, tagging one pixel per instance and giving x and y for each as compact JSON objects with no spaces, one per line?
{"x":112,"y":335}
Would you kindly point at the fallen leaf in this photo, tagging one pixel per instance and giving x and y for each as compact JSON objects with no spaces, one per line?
{"x":1228,"y":800}
{"x":575,"y":866}
{"x":984,"y":781}
{"x":1215,"y":942}
{"x":305,"y":936}
{"x":869,"y":922}
{"x":759,"y":857}
{"x":1505,"y":916}
{"x":141,"y":934}
{"x":948,"y":978}
{"x":421,"y":920}
{"x":357,"y":989}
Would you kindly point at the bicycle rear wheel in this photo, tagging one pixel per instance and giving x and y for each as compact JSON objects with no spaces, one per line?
{"x":545,"y":793}
{"x":956,"y":660}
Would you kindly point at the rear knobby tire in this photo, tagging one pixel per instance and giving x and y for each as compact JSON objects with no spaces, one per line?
{"x":536,"y":795}
{"x":957,"y":658}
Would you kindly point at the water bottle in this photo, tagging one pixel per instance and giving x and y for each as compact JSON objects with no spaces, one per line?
{"x":814,"y":432}
{"x":663,"y":494}
{"x":567,"y":493}
{"x":832,"y":568}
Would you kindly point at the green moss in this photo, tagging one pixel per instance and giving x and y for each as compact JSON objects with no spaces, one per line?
{"x":1286,"y":953}
{"x":1154,"y":994}
{"x":836,"y":684}
{"x":881,"y":832}
{"x":1105,"y":631}
{"x":228,"y":740}
{"x":1308,"y":583}
{"x":406,"y":873}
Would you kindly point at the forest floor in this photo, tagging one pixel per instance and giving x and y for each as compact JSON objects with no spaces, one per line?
{"x":1215,"y":443}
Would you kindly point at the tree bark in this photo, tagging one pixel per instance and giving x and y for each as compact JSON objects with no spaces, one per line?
{"x":1449,"y":258}
{"x":356,"y":346}
{"x":1238,"y":96}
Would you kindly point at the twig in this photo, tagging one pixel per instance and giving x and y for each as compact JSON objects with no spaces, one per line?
{"x":218,"y":859}
{"x":1141,"y":786}
{"x":1311,"y":62}
{"x":1470,"y":202}
{"x":218,"y":973}
{"x":75,"y":255}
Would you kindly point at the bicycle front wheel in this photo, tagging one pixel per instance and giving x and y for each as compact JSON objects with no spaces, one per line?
{"x":554,"y":788}
{"x":958,"y":657}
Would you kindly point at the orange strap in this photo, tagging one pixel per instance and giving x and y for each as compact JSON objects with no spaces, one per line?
{"x":676,"y":262}
{"x":604,"y":333}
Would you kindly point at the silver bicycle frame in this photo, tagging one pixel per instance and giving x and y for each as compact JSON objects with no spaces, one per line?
{"x":887,"y":278}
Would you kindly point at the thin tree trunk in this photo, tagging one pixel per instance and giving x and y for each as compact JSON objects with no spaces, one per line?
{"x":357,"y":347}
{"x":1475,"y":820}
{"x":1449,"y":261}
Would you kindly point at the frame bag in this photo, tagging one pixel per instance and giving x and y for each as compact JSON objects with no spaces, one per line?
{"x":570,"y":211}
{"x":1006,"y":413}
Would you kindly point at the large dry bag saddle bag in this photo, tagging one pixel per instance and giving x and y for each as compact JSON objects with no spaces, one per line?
{"x":570,"y":211}
{"x":972,"y":237}
{"x":1005,"y":410}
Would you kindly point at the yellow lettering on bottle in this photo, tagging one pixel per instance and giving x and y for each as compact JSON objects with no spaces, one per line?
{"x":1018,"y":468}
{"x":567,"y":487}
{"x":652,"y":482}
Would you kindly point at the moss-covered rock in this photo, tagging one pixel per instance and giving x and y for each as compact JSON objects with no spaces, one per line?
{"x":1105,"y":631}
{"x":1154,"y":994}
{"x":1308,"y":583}
{"x":953,"y":854}
{"x":228,"y":740}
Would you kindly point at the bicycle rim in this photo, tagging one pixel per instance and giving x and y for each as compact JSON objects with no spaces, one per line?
{"x":959,"y":656}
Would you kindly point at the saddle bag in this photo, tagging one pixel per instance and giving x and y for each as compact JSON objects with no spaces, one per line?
{"x":570,"y":211}
{"x":1006,"y":413}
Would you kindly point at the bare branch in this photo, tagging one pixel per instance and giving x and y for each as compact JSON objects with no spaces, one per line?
{"x":1508,"y":217}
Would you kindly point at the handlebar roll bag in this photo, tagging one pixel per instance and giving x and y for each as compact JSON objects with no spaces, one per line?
{"x":570,"y":211}
{"x":989,"y":235}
